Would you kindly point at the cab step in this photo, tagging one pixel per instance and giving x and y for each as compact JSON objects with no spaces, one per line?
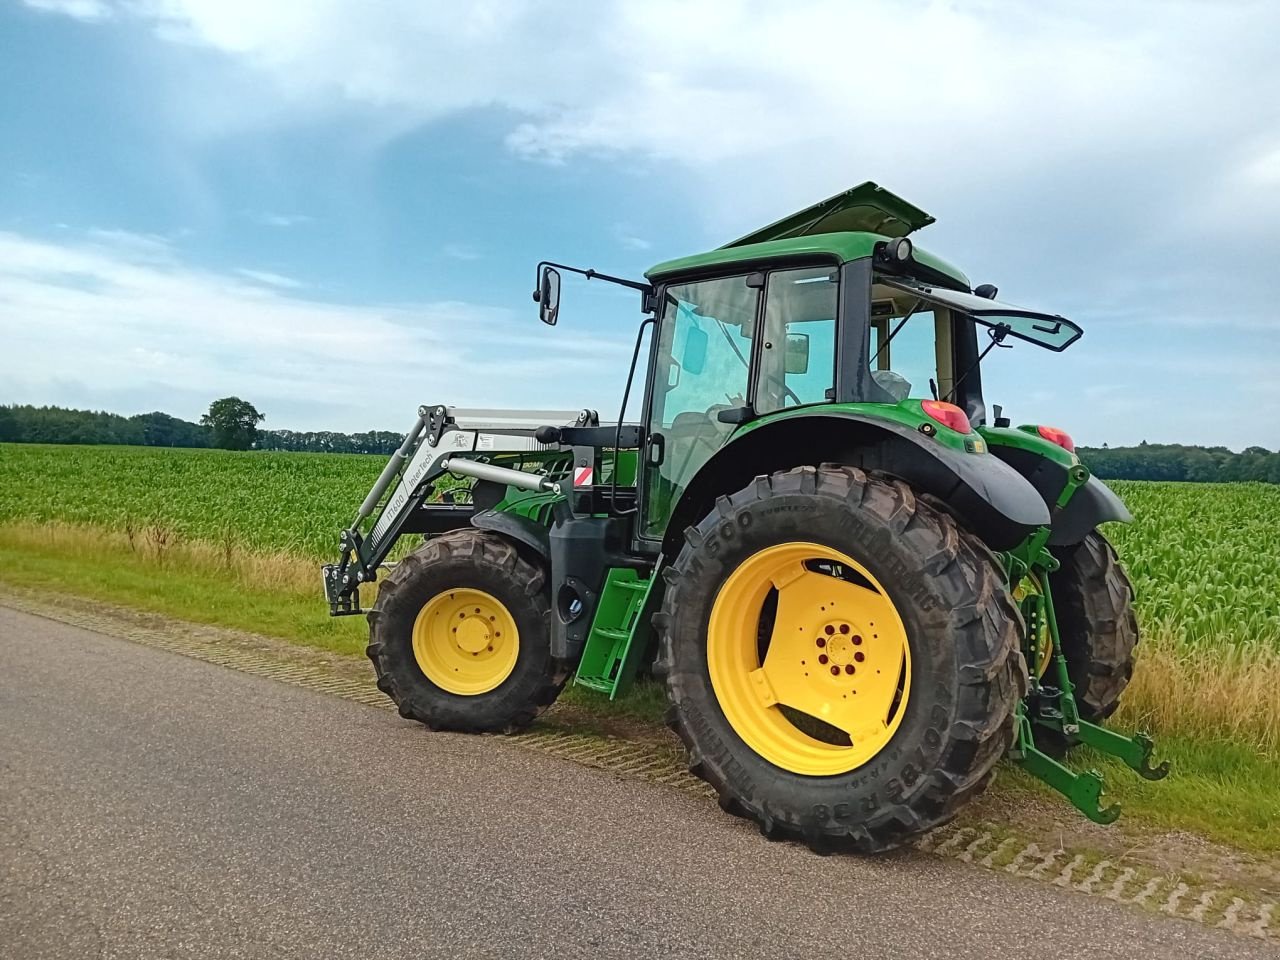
{"x":619,"y":634}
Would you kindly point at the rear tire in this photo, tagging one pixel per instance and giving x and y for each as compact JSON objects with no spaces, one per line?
{"x":503,"y":688}
{"x":963,"y":668}
{"x":1093,"y":601}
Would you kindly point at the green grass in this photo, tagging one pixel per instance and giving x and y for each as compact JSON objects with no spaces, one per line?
{"x":1221,"y":791}
{"x":189,"y":584}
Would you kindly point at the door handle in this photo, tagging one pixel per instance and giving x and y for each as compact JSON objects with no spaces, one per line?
{"x":657,"y":449}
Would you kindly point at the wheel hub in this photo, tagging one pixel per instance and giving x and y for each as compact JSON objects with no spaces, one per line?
{"x":473,"y":634}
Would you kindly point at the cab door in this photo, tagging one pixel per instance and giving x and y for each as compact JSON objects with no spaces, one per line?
{"x":752,"y":344}
{"x":702,"y":366}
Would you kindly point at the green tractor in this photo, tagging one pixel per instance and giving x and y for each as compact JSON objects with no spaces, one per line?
{"x":860,"y":589}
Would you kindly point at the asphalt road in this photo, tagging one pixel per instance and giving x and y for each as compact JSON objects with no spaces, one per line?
{"x":156,"y":806}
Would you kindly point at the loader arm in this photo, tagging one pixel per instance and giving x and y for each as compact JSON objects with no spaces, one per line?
{"x":442,"y":440}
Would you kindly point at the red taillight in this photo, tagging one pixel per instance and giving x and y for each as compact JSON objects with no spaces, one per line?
{"x":1060,"y":437}
{"x":947,"y":414}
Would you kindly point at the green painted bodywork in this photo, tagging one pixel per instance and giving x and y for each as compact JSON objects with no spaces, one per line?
{"x":839,"y":247}
{"x":908,"y":413}
{"x":535,"y":506}
{"x":1026,"y":438}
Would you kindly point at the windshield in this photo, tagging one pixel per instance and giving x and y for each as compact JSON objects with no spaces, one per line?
{"x":1043,"y":329}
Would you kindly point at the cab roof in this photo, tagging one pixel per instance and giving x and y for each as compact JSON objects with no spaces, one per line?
{"x":845,"y":227}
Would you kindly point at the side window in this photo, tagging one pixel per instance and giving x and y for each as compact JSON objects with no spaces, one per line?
{"x":797,"y":351}
{"x":910,"y":346}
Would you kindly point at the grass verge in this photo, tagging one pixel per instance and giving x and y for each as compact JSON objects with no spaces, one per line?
{"x":1216,"y":716}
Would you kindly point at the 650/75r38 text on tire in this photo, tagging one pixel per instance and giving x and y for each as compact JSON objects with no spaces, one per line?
{"x":843,"y":662}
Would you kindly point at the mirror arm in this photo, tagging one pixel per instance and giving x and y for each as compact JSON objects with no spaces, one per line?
{"x":645,"y":288}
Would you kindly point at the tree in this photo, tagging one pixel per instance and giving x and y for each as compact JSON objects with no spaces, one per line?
{"x":234,"y":423}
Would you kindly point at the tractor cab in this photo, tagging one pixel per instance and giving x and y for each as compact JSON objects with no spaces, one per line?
{"x":843,"y":570}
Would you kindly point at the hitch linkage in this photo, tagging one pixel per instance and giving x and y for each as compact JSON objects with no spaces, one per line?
{"x":1052,"y":707}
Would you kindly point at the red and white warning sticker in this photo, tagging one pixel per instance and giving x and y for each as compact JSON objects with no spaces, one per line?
{"x":582,"y":476}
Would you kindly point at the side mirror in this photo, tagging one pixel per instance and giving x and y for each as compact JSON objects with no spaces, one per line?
{"x":796,"y":358}
{"x":547,"y":296}
{"x":694,"y":357}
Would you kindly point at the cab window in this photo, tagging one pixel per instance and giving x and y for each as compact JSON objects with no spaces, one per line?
{"x":797,"y":350}
{"x":911,"y":348}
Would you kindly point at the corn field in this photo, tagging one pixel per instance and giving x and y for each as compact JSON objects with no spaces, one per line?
{"x":1204,"y":558}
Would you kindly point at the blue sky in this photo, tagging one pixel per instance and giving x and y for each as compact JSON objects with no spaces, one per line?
{"x":335,"y":209}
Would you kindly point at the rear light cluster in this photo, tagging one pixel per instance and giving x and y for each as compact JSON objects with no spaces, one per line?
{"x":947,"y":414}
{"x":1060,"y":437}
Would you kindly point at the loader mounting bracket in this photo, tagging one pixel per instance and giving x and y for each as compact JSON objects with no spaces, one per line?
{"x":342,"y":579}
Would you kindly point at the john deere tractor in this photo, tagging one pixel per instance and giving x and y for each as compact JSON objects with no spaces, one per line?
{"x":860,"y":587}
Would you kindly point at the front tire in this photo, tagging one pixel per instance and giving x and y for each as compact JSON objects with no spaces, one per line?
{"x":460,"y":636}
{"x":883,"y":729}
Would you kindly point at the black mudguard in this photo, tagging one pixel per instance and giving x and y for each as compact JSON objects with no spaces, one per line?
{"x":991,"y":498}
{"x":1093,"y":504}
{"x":533,"y":535}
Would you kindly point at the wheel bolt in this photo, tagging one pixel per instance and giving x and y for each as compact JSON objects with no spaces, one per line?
{"x":859,"y":656}
{"x":822,"y":658}
{"x":857,"y":640}
{"x":821,"y":642}
{"x":828,"y":629}
{"x":849,"y":668}
{"x":844,"y":628}
{"x":835,"y":671}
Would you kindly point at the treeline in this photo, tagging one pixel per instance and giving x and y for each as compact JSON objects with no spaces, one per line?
{"x":28,"y":424}
{"x":327,"y":441}
{"x":1173,"y":461}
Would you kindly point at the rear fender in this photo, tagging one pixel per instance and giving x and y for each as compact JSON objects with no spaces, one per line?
{"x":988,"y":496}
{"x":1045,"y":468}
{"x":1092,"y":505}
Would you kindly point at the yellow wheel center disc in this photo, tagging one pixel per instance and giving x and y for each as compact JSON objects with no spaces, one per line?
{"x":473,"y":634}
{"x":831,"y":688}
{"x":465,"y":641}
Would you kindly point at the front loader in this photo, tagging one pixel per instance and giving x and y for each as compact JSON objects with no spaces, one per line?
{"x":860,"y":588}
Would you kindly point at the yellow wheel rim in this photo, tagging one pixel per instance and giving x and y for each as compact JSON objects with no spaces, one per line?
{"x":837,"y":653}
{"x":465,"y":641}
{"x":1030,"y":586}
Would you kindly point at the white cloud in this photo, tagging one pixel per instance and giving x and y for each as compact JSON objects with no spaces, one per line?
{"x":979,"y":108}
{"x":271,"y":279}
{"x":79,"y":9}
{"x":1099,"y":159}
{"x":102,"y":318}
{"x":268,"y":219}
